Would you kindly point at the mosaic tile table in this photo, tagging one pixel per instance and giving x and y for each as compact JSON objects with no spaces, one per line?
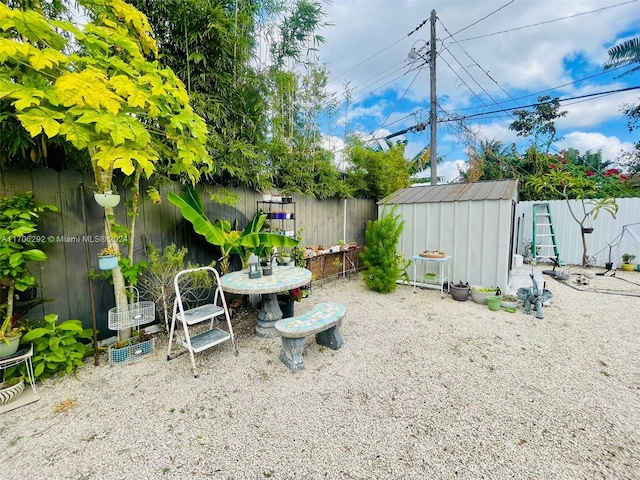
{"x":283,"y":278}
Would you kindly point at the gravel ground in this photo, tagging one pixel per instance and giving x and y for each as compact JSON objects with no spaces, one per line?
{"x":423,"y":387}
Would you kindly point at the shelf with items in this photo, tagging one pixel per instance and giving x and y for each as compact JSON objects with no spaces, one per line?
{"x":281,"y":215}
{"x":326,"y":263}
{"x":439,"y":279}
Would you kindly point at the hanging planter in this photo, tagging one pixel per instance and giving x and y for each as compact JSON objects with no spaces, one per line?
{"x":107,"y":199}
{"x":107,"y":259}
{"x":108,"y":262}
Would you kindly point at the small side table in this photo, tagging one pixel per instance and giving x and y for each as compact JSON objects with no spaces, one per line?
{"x":29,"y":395}
{"x":444,"y":272}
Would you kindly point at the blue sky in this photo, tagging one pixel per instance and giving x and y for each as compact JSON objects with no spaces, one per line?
{"x":492,"y":55}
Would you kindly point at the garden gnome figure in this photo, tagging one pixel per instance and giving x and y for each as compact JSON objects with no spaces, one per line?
{"x":533,"y":296}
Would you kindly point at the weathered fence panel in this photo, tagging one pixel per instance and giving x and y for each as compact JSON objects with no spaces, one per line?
{"x":78,"y":233}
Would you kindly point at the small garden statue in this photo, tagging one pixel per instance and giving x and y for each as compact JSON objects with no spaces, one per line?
{"x":533,"y":296}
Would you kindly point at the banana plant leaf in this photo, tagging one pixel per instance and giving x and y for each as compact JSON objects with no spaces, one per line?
{"x":250,"y":240}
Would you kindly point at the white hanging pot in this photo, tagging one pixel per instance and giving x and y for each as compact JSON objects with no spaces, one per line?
{"x":107,"y":199}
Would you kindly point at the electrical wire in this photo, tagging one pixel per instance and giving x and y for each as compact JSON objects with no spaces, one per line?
{"x":547,"y":21}
{"x":481,"y":19}
{"x":399,"y":100}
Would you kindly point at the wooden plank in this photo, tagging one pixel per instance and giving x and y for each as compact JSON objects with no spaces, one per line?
{"x":76,"y":194}
{"x":51,"y":273}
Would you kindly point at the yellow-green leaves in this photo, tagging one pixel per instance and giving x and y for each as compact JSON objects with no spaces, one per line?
{"x":30,"y":25}
{"x":89,"y":88}
{"x":122,"y":157}
{"x":106,"y":96}
{"x":35,"y":120}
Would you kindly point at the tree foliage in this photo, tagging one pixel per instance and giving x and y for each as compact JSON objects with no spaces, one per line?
{"x":539,"y":122}
{"x":374,"y":173}
{"x":382,"y":263}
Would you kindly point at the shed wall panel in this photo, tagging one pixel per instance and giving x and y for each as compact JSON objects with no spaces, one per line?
{"x":477,"y":234}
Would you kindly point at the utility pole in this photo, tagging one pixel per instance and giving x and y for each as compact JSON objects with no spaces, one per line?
{"x":433,"y":149}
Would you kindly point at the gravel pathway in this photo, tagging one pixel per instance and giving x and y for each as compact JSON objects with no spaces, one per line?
{"x":423,"y":387}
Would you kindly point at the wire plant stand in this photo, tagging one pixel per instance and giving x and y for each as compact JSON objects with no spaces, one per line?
{"x":132,"y":315}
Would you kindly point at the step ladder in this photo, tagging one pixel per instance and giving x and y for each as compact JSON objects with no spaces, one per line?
{"x":198,"y":314}
{"x":544,"y":245}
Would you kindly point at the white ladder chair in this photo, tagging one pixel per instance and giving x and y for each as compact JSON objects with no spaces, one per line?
{"x":193,"y":316}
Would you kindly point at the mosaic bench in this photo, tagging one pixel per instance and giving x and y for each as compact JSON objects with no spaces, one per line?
{"x":324,"y":321}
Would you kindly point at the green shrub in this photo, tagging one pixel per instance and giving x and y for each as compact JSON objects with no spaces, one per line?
{"x":57,"y":348}
{"x":383,"y":265}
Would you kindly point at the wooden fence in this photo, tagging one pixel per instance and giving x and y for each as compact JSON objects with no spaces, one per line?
{"x":77,"y":231}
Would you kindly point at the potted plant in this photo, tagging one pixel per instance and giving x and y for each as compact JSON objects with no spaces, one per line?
{"x":9,"y":337}
{"x":431,"y":277}
{"x":509,"y":301}
{"x":286,"y":301}
{"x":107,"y":259}
{"x":627,"y":266}
{"x":459,"y":291}
{"x":11,"y":390}
{"x":433,"y":254}
{"x":132,"y":349}
{"x":283,"y":257}
{"x":19,"y":217}
{"x":479,"y":294}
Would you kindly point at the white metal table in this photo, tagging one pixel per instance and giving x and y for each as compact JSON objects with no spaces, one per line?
{"x":444,"y":272}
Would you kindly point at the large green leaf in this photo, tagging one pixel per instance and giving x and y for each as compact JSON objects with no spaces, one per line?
{"x":250,"y":240}
{"x":192,"y":210}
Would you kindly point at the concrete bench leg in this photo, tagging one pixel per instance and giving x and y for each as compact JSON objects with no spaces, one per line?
{"x":291,"y":353}
{"x":330,"y":338}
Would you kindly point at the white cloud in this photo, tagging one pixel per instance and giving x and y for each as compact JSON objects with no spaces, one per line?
{"x":506,"y":60}
{"x":583,"y":141}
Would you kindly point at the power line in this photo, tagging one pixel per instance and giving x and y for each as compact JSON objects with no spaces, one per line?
{"x":588,"y":95}
{"x":547,"y":21}
{"x":478,"y":21}
{"x":506,"y":110}
{"x":399,"y":100}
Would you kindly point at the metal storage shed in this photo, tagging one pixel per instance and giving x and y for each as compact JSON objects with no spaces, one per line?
{"x":472,"y":222}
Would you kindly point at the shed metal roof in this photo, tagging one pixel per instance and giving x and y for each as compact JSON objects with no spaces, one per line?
{"x":477,"y":191}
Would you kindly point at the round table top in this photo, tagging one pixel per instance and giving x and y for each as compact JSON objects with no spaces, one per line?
{"x":283,"y":278}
